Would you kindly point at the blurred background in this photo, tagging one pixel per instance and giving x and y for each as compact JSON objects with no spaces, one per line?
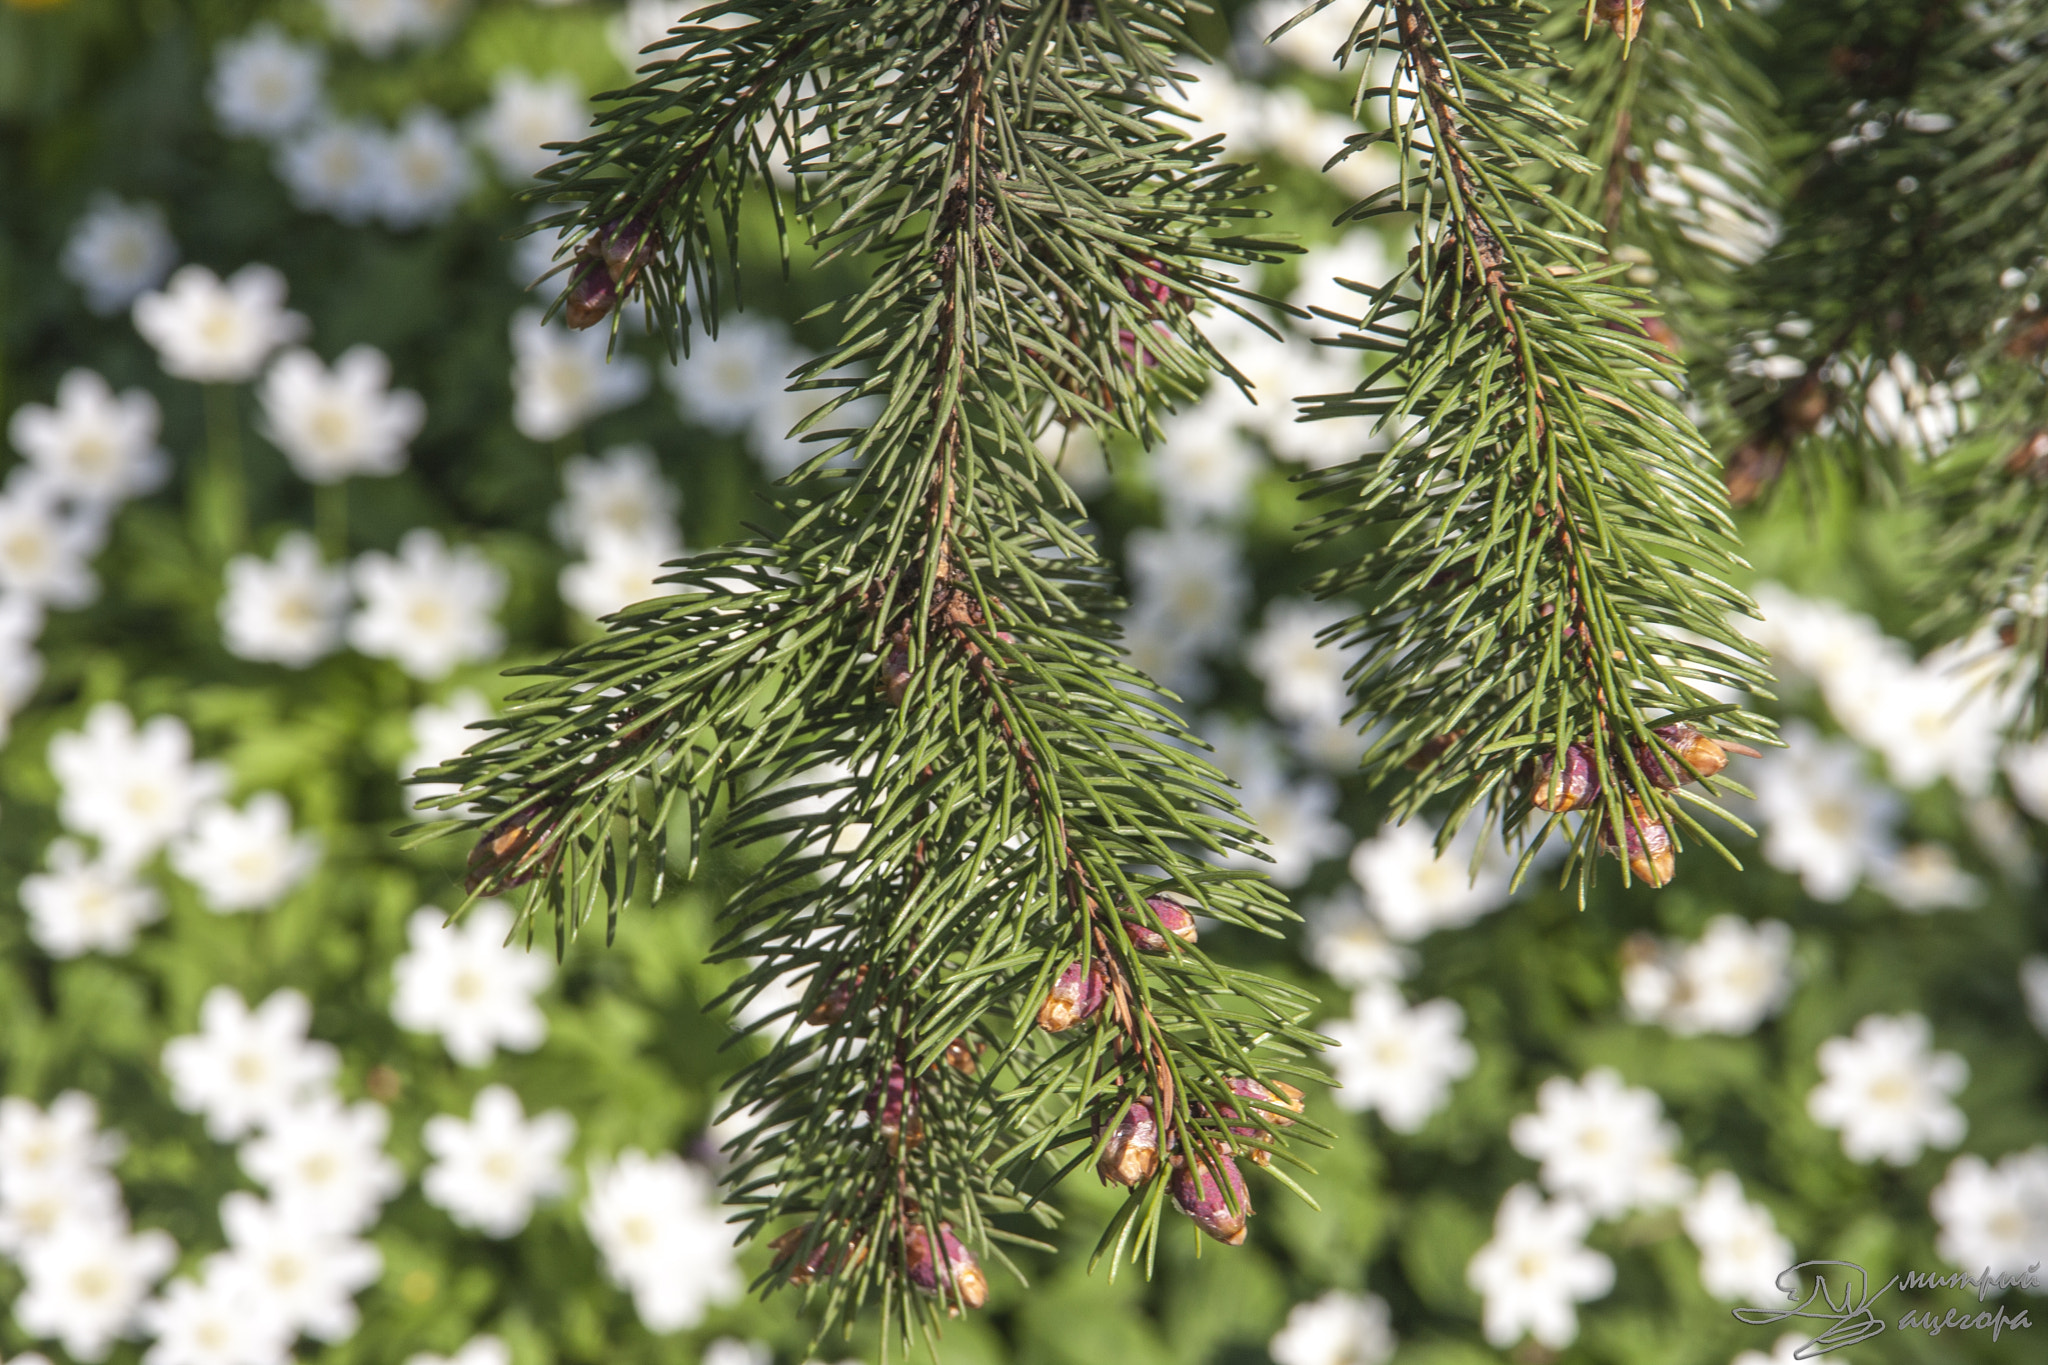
{"x":296,"y":470}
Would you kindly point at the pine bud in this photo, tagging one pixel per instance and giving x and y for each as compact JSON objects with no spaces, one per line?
{"x":838,"y":998}
{"x":896,"y":674}
{"x":1647,"y":844}
{"x":627,"y":247}
{"x":1131,"y":1157}
{"x":1198,"y":1192}
{"x":1706,"y":756}
{"x":895,"y":1110}
{"x":1288,"y":1097}
{"x":1075,"y":996}
{"x":961,"y":1270}
{"x":961,"y":1057}
{"x":1625,"y":17}
{"x":591,"y":297}
{"x":1571,"y":785}
{"x":1172,"y":916}
{"x":801,"y":1268}
{"x":494,"y":862}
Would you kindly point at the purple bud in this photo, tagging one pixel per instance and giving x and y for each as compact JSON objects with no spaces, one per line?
{"x":1172,"y":916}
{"x":1703,"y":755}
{"x":626,"y":248}
{"x":1288,"y":1097}
{"x":495,"y":861}
{"x":1131,"y":1156}
{"x":591,"y":297}
{"x":1075,"y":996}
{"x":1647,"y":844}
{"x":798,"y":1267}
{"x":1572,"y":785}
{"x":895,"y":1110}
{"x":969,"y":1285}
{"x":896,"y":674}
{"x":1198,"y":1193}
{"x":838,"y":998}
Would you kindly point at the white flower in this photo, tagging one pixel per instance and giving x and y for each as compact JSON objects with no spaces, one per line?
{"x":1201,"y":466}
{"x":663,"y":1237}
{"x":375,"y":26}
{"x":304,"y":1274}
{"x":621,"y":494}
{"x":95,"y":445}
{"x":46,"y":548}
{"x":118,"y":250}
{"x":1536,"y":1269}
{"x":338,"y":167}
{"x":53,"y":1170}
{"x":726,"y":380}
{"x":220,"y":1320}
{"x":1886,"y":1092}
{"x":427,"y":172}
{"x":1994,"y":1217}
{"x":527,"y":113}
{"x":781,"y":447}
{"x":440,"y":733}
{"x":1335,"y":1329}
{"x":561,"y":379}
{"x":215,"y":331}
{"x":1605,"y":1144}
{"x":132,"y":789}
{"x":1930,"y":721}
{"x":1825,"y":819}
{"x":1193,"y":577}
{"x":86,"y":1283}
{"x":733,"y":1351}
{"x":246,"y":1069}
{"x":245,"y":859}
{"x":1304,"y":680}
{"x":2034,"y":986}
{"x":1348,"y":945}
{"x":1741,"y":1250}
{"x":1396,"y":1060}
{"x":488,"y":1172}
{"x":324,"y":1164}
{"x":428,"y":609}
{"x":1279,"y":367}
{"x":1156,"y":648}
{"x":483,"y":1350}
{"x":1413,"y":892}
{"x":86,"y":906}
{"x":41,"y":1204}
{"x":1924,"y":877}
{"x":1359,"y":256}
{"x":619,"y":571}
{"x":287,"y":609}
{"x":339,"y":422}
{"x":464,"y":982}
{"x":264,"y":85}
{"x":1734,"y":978}
{"x":1296,"y":818}
{"x":2026,"y":769}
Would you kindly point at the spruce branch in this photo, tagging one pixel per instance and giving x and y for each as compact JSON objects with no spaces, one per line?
{"x":974,"y":840}
{"x":1550,"y":553}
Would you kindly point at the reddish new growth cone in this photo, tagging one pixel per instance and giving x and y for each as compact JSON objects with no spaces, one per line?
{"x":1288,"y":1097}
{"x":894,"y":1108}
{"x":962,"y":1057}
{"x":1131,"y":1157}
{"x":1570,"y":785}
{"x":1075,"y":996}
{"x":591,"y":295}
{"x":1198,"y":1192}
{"x":1647,"y":844}
{"x":896,"y":674}
{"x":1171,"y":915}
{"x":802,"y":1267}
{"x":1701,"y":756}
{"x":627,"y":247}
{"x":960,"y":1270}
{"x":838,"y":998}
{"x":494,"y":862}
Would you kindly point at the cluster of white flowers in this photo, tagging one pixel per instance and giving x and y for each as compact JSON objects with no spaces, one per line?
{"x":662,"y":1234}
{"x":1304,"y":679}
{"x":1296,"y":814}
{"x":469,"y":984}
{"x":620,"y":514}
{"x":1994,"y":1217}
{"x":1413,"y":891}
{"x":1603,"y":1143}
{"x":379,"y":27}
{"x":1536,"y":1270}
{"x":1737,"y":975}
{"x":1338,"y":1328}
{"x":1189,"y":588}
{"x":1887,"y":1093}
{"x":1741,"y":1250}
{"x":738,"y":382}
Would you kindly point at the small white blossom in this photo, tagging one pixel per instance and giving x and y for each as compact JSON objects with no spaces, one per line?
{"x":466,"y":983}
{"x":86,"y":1284}
{"x":1397,"y":1060}
{"x":1347,"y":944}
{"x":118,"y":250}
{"x":429,"y":608}
{"x":1338,"y":1328}
{"x":1413,"y":891}
{"x":726,"y":380}
{"x":1304,"y":679}
{"x":375,"y":26}
{"x":1734,"y":978}
{"x":132,"y":789}
{"x":1925,"y":877}
{"x":215,"y":331}
{"x":306,"y":1275}
{"x":335,"y":423}
{"x":733,"y":1351}
{"x":1994,"y":1217}
{"x":218,"y":1320}
{"x":287,"y":609}
{"x":338,"y":167}
{"x":1602,"y":1143}
{"x":46,"y":548}
{"x":427,"y":171}
{"x":621,"y":494}
{"x":1193,"y":578}
{"x":264,"y":84}
{"x":1825,"y":820}
{"x":489,"y":1171}
{"x":525,"y":114}
{"x":617,"y":571}
{"x":245,"y":859}
{"x":86,"y":905}
{"x":440,"y":733}
{"x":663,"y":1236}
{"x":244,"y":1069}
{"x":1741,"y":1250}
{"x":53,"y":1170}
{"x":483,"y":1350}
{"x":1886,"y":1092}
{"x":1536,"y":1270}
{"x":42,"y":1204}
{"x":324,"y":1164}
{"x":561,"y":379}
{"x":95,"y":445}
{"x":1202,"y":466}
{"x":2026,"y":771}
{"x":1360,"y":256}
